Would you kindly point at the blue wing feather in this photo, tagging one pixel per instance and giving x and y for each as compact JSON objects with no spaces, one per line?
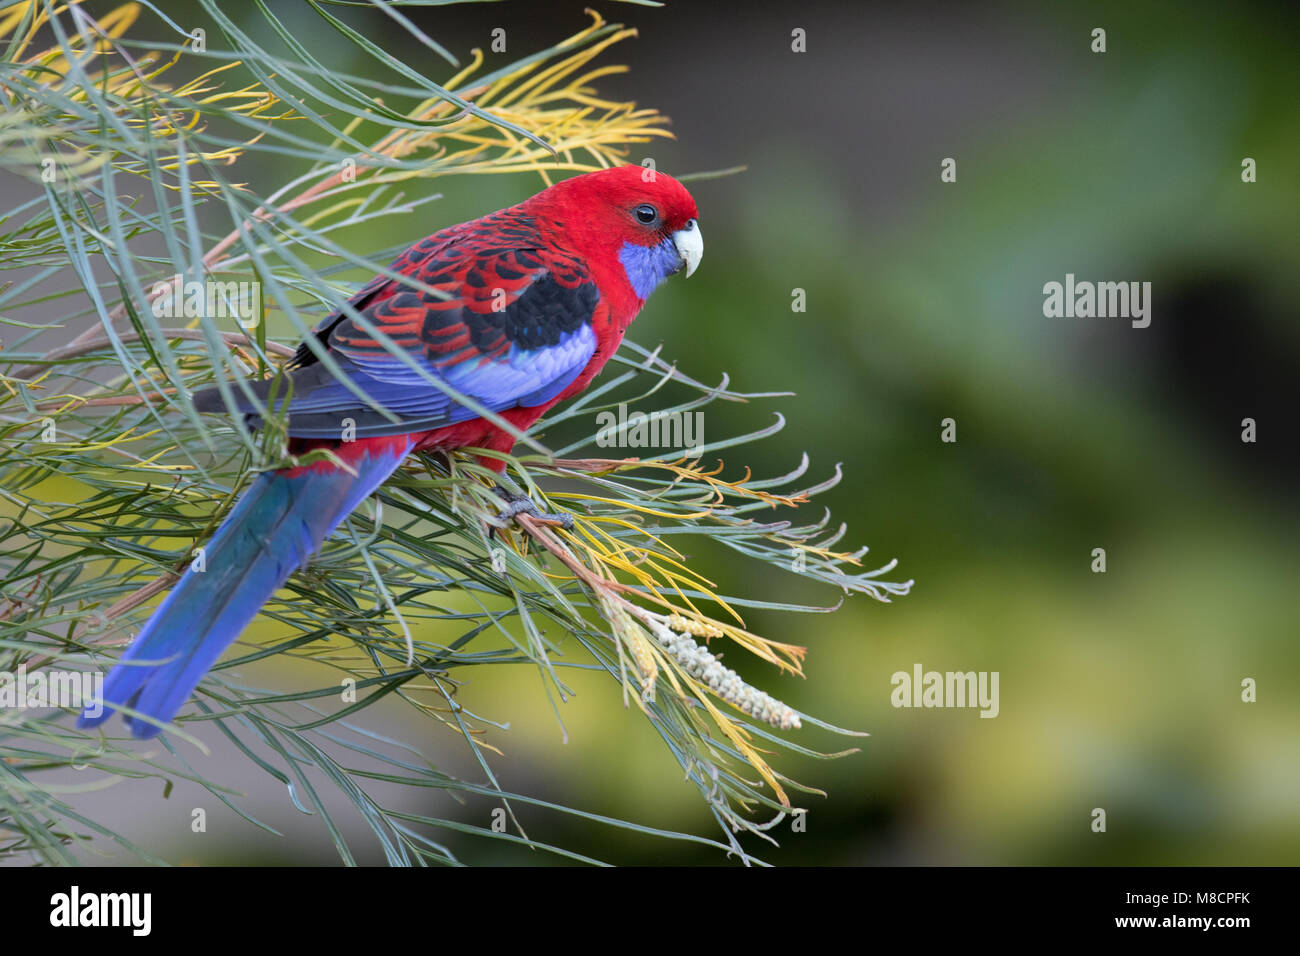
{"x":525,"y":378}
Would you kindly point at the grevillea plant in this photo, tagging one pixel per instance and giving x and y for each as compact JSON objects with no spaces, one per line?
{"x":109,"y":479}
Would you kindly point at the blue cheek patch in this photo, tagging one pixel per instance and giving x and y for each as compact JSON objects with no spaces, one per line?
{"x":647,"y":266}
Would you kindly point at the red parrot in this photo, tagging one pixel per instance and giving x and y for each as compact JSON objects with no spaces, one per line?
{"x":537,"y":298}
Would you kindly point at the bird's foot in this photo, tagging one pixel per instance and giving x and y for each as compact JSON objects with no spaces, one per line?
{"x":519,"y":504}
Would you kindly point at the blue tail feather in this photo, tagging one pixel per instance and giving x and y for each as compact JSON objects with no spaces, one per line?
{"x":272,"y":530}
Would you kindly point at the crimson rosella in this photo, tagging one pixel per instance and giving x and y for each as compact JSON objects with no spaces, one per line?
{"x":536,"y":299}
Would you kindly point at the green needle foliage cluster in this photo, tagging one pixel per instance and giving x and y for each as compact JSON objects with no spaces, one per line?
{"x":109,"y":480}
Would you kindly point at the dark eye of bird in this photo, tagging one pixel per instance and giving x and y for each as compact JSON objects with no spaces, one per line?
{"x":647,"y":213}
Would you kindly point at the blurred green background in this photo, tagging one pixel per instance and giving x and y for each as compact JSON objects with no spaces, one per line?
{"x":1119,"y":690}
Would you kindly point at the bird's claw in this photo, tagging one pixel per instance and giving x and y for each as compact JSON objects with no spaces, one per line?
{"x":518,"y":504}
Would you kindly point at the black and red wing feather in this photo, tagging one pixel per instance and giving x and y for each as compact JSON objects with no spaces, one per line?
{"x":509,"y":324}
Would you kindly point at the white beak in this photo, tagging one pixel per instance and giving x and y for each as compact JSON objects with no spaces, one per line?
{"x":690,"y":245}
